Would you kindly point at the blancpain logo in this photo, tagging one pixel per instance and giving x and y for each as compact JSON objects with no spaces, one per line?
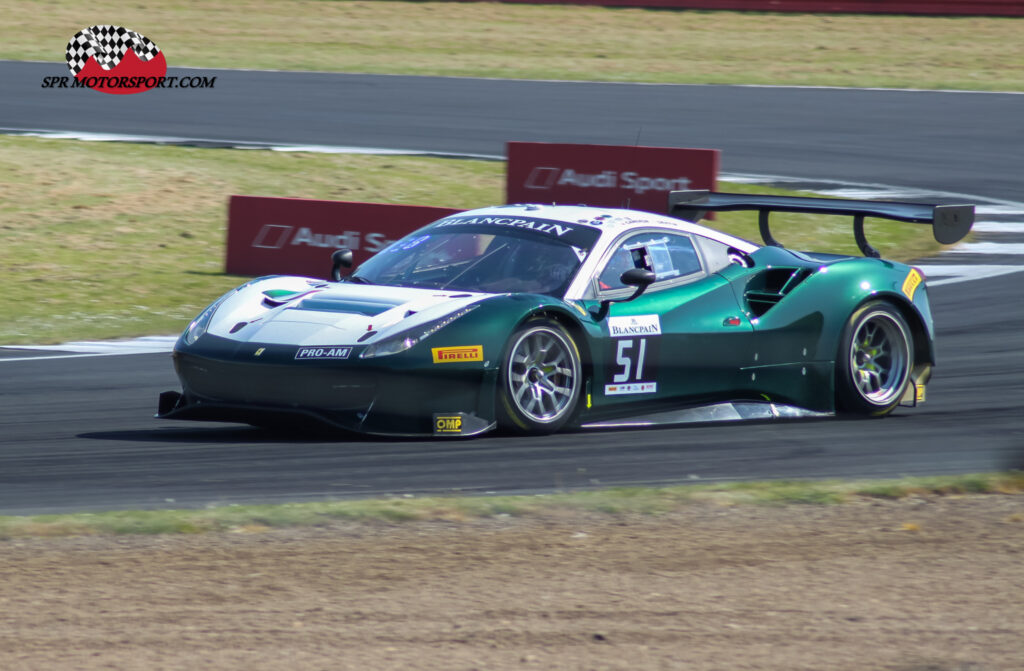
{"x":639,"y":325}
{"x":548,"y":177}
{"x":533,"y":224}
{"x":276,"y":236}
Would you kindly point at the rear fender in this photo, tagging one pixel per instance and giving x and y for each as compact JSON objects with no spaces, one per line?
{"x":807,"y":323}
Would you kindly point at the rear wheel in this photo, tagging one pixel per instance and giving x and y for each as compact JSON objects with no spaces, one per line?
{"x":540,"y":379}
{"x":874,"y":361}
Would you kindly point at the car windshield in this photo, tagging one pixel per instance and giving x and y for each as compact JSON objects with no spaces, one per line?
{"x":486,"y":258}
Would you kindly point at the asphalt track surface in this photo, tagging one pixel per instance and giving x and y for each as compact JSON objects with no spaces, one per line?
{"x":78,"y":434}
{"x":963,"y":142}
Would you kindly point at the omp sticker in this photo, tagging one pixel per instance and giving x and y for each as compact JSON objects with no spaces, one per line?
{"x":637,"y":388}
{"x":447,"y":424}
{"x":919,"y":394}
{"x":323,"y":352}
{"x":910,"y":284}
{"x":260,"y":351}
{"x":454,"y":354}
{"x":637,"y":325}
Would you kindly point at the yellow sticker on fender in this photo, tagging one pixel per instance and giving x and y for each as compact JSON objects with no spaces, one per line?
{"x":910,"y":284}
{"x":453,"y":354}
{"x":919,"y":394}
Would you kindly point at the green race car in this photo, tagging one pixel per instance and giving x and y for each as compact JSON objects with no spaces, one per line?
{"x":535,"y":318}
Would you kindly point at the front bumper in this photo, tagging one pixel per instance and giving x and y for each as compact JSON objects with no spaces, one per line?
{"x":392,"y":396}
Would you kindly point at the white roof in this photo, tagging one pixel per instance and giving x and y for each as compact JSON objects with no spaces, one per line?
{"x":609,"y":220}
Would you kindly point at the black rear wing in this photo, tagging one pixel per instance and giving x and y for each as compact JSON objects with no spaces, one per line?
{"x":950,"y":223}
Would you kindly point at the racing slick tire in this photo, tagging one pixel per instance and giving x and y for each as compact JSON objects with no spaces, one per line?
{"x":540,"y":381}
{"x":876,"y":355}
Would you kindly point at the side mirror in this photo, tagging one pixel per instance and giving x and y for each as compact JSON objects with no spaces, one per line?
{"x":641,"y":278}
{"x":637,"y":277}
{"x":340,"y":259}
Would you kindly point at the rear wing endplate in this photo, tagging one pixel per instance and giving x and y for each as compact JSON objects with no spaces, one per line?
{"x":950,"y":223}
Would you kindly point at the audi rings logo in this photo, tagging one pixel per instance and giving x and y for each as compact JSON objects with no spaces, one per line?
{"x":118,"y":60}
{"x":542,"y":178}
{"x":272,"y":236}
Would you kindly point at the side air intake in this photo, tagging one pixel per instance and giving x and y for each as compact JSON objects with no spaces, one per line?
{"x":765,"y":290}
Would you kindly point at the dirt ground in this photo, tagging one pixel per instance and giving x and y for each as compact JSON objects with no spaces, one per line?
{"x":911,"y":586}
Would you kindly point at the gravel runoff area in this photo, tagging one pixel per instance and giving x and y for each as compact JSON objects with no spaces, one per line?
{"x":909,"y":585}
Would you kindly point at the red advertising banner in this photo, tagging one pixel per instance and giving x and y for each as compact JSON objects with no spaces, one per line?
{"x":637,"y":178}
{"x":295,"y":236}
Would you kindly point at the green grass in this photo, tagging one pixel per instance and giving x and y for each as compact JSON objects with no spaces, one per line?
{"x":105,"y":240}
{"x":548,"y":42}
{"x":616,"y":501}
{"x":102,"y":240}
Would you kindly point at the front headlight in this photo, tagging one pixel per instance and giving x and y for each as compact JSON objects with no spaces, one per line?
{"x":202,"y":322}
{"x":406,"y":339}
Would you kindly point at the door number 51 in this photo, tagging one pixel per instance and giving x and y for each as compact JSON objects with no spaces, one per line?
{"x":624,"y":357}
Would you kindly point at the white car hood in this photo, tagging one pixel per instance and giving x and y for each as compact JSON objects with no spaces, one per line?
{"x":297,"y":311}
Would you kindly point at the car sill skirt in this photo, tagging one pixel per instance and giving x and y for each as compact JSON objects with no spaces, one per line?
{"x":735,"y":411}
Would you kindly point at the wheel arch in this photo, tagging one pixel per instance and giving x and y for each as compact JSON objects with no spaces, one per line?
{"x":924,"y":350}
{"x":551,"y":316}
{"x":570,"y":323}
{"x":579,"y":336}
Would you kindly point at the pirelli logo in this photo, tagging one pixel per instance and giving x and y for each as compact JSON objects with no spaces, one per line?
{"x":910,"y":284}
{"x":453,"y":354}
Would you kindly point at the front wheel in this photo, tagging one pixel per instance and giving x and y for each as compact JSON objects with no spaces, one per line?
{"x":540,"y":379}
{"x":874,"y":361}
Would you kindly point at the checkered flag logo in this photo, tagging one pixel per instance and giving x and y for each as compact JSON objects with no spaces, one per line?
{"x":108,"y":45}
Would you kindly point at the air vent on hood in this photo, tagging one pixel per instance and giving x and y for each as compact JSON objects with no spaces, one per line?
{"x":273,"y":298}
{"x":359,"y":306}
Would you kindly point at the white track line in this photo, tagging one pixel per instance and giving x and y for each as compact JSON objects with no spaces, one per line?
{"x":955,"y":274}
{"x":236,"y":144}
{"x":1004,"y":208}
{"x":998,"y":227}
{"x":1005,"y":248}
{"x":142,"y":345}
{"x":65,"y":356}
{"x":990,"y":206}
{"x":145,"y":345}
